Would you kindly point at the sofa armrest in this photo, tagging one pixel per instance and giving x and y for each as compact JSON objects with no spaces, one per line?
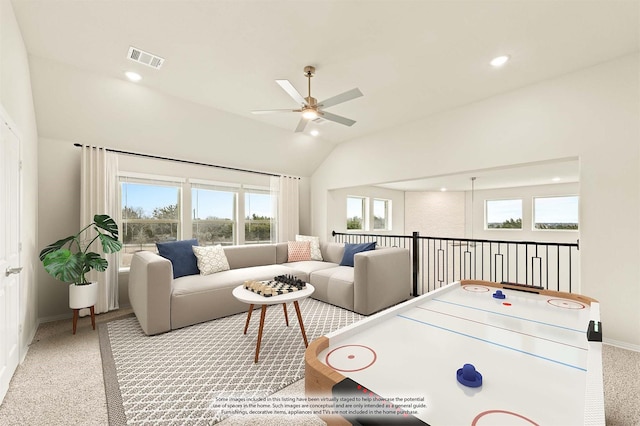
{"x":382,"y":278}
{"x":150,"y":279}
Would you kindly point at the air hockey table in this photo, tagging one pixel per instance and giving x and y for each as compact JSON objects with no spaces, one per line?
{"x":470,"y":353}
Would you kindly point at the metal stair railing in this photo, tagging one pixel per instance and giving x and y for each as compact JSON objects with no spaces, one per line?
{"x":437,"y":261}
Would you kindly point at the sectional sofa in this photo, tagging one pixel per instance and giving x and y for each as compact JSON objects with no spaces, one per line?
{"x":379,"y":278}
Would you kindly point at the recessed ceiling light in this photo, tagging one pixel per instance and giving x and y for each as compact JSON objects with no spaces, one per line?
{"x":443,"y":189}
{"x":499,"y":61}
{"x":314,"y":132}
{"x":556,"y":179}
{"x":133,"y":76}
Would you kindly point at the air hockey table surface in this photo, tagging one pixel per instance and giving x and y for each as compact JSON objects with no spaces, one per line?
{"x":536,"y":358}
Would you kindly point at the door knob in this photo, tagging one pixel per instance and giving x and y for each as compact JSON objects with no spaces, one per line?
{"x":10,"y":271}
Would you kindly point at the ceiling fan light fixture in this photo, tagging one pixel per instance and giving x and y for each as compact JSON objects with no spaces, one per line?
{"x":309,"y":107}
{"x":309,"y":113}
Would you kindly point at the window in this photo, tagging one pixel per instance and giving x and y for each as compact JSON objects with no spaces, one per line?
{"x":555,"y":213}
{"x":503,"y":214}
{"x":214,"y":213}
{"x":151,"y":212}
{"x":381,"y":214}
{"x":259,"y":224}
{"x":355,"y":213}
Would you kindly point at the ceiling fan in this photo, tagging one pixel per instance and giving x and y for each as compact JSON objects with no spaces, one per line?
{"x":310,"y":107}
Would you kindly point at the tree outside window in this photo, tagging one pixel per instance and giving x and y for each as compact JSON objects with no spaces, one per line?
{"x":214,"y":214}
{"x":259,"y":221}
{"x":503,"y":214}
{"x":381,"y":214}
{"x":355,"y":213}
{"x":150,"y":213}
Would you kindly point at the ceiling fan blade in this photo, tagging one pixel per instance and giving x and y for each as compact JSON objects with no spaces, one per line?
{"x":301,"y":125}
{"x":288,"y":87}
{"x":342,"y":97}
{"x":271,"y":111}
{"x":337,"y":118}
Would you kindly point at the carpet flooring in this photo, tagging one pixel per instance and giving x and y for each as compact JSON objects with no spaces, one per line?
{"x":177,"y":377}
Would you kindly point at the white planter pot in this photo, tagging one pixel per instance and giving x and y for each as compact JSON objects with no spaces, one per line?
{"x":83,"y":296}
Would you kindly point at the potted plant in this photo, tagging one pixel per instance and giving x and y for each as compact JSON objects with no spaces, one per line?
{"x":69,"y":259}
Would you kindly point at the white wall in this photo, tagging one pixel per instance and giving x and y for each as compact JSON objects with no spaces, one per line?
{"x":337,"y":208}
{"x":592,"y":114}
{"x":58,"y":216}
{"x":435,"y":214}
{"x":17,"y":101}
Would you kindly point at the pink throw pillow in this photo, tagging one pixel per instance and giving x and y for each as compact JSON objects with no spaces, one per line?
{"x":299,"y":251}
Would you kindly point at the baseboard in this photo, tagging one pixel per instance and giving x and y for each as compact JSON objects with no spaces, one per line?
{"x":24,"y":350}
{"x":56,"y":318}
{"x":622,"y":345}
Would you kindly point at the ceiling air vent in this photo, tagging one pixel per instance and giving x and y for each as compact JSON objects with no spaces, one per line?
{"x":145,"y":58}
{"x":319,"y":120}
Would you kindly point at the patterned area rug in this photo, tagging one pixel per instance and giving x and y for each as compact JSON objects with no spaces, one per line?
{"x":173,"y":378}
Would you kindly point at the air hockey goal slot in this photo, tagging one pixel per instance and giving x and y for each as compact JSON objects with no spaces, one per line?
{"x":354,"y":402}
{"x":594,"y":331}
{"x":522,"y":287}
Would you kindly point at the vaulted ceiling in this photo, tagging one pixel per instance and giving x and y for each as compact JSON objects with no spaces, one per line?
{"x":410,"y":59}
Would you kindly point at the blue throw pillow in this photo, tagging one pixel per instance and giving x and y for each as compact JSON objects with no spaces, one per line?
{"x":351,"y":249}
{"x":181,"y":256}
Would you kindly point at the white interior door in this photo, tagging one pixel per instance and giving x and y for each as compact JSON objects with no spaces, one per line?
{"x":9,"y":254}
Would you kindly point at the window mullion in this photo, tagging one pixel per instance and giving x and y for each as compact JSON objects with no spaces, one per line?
{"x":187,"y":211}
{"x":240,"y":215}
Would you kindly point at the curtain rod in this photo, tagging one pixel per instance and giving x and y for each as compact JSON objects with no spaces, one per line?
{"x":157,"y":157}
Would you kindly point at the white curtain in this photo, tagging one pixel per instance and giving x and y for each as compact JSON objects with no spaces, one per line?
{"x":285,"y":189}
{"x":99,"y":195}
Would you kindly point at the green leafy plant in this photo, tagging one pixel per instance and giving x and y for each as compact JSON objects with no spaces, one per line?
{"x":72,"y":263}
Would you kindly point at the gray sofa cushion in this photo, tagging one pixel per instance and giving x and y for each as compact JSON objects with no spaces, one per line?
{"x":332,"y":252}
{"x":306,"y":267}
{"x":282,"y":252}
{"x":334,"y":285}
{"x":250,"y":255}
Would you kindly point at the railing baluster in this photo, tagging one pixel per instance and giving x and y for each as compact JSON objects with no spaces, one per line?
{"x":415,"y":263}
{"x":570,"y":270}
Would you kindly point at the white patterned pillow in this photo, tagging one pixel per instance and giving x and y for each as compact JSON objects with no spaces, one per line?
{"x":211,"y":259}
{"x":316,"y":254}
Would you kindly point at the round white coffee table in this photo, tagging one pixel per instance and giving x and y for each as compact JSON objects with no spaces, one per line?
{"x":248,"y":296}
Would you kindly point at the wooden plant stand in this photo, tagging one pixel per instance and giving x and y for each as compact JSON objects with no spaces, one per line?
{"x":76,"y":313}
